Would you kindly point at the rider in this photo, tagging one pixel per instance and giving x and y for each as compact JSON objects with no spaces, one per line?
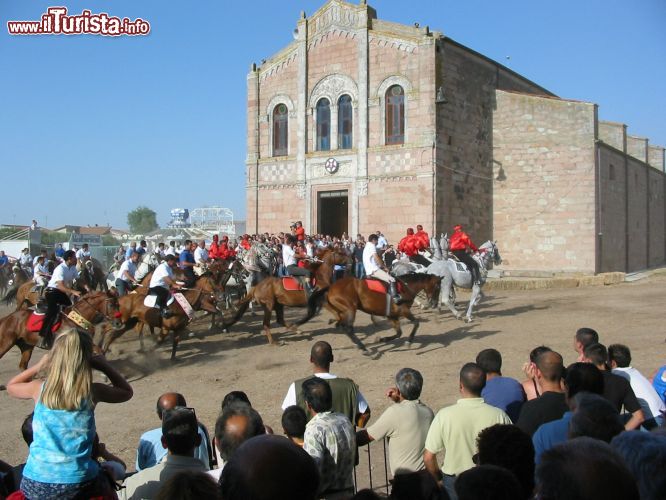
{"x":289,"y":258}
{"x":125,"y":280}
{"x":161,"y":281}
{"x":201,"y":257}
{"x":421,"y":241}
{"x":25,"y":260}
{"x":299,"y":231}
{"x":214,"y":250}
{"x":407,"y":245}
{"x":41,"y":273}
{"x":458,"y":246}
{"x":58,"y":292}
{"x":226,"y":252}
{"x":375,"y":268}
{"x":4,"y":261}
{"x":142,"y":248}
{"x":82,"y":256}
{"x":187,"y":263}
{"x":59,"y":253}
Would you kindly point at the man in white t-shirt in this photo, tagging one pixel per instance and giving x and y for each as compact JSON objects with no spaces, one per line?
{"x":289,"y":258}
{"x":126,"y":274}
{"x":619,"y":357}
{"x":375,"y":267}
{"x":41,"y":273}
{"x":161,"y":282}
{"x":82,"y":256}
{"x":201,"y":254}
{"x":25,"y":260}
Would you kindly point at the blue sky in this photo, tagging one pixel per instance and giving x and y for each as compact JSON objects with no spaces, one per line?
{"x":92,"y":127}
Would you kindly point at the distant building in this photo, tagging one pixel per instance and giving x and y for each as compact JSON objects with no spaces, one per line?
{"x":362,"y":124}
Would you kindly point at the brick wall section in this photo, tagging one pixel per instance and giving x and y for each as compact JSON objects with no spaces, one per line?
{"x":613,"y":218}
{"x":612,"y":134}
{"x":637,"y":188}
{"x":544,"y":187}
{"x":637,"y":147}
{"x":656,"y":157}
{"x":657,"y":234}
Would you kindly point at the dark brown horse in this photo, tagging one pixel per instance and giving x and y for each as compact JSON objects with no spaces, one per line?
{"x":133,"y":312}
{"x":272,"y":295}
{"x":94,"y":308}
{"x":348,"y":295}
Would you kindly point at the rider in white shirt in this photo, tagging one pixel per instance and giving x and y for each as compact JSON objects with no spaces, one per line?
{"x":126,"y":275}
{"x":82,"y":256}
{"x":201,"y":254}
{"x":25,"y":260}
{"x":41,"y":274}
{"x":161,"y":281}
{"x":375,"y":267}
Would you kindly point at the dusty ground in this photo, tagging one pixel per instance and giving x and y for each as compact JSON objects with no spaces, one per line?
{"x":211,"y":365}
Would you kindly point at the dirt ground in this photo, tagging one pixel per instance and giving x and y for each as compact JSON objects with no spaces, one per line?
{"x":212,"y":364}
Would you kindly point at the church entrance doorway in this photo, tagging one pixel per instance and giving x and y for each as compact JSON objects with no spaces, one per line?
{"x":332,"y":212}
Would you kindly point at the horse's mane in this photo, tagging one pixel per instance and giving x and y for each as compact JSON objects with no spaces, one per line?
{"x":412,"y":277}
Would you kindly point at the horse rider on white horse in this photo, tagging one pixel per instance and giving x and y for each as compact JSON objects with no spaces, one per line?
{"x":375,"y":267}
{"x":458,"y":245}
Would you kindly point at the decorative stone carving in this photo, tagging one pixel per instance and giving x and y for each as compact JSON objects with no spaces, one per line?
{"x":361,"y":188}
{"x":334,"y":15}
{"x":300,"y":191}
{"x":332,"y":87}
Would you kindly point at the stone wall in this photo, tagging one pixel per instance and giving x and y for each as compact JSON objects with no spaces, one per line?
{"x":613,"y":214}
{"x":657,"y":217}
{"x":612,"y":134}
{"x":544,"y":183}
{"x":637,"y":215}
{"x":656,"y":157}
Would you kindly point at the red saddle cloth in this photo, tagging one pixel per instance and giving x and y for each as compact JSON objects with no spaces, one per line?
{"x":376,"y":285}
{"x":34,"y":323}
{"x":291,"y":284}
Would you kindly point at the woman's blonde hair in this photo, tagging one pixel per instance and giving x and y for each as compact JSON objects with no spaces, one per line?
{"x":69,"y":377}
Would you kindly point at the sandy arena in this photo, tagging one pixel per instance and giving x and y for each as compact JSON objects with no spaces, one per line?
{"x":210,"y":365}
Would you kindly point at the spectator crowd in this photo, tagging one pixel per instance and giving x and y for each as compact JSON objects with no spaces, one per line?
{"x":591,"y":430}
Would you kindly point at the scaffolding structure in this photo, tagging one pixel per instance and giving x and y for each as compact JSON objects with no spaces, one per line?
{"x":215,"y":219}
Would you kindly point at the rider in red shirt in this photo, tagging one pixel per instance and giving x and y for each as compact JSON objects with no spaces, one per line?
{"x":458,"y":246}
{"x":407,"y":245}
{"x":299,"y":231}
{"x":422,"y":242}
{"x":214,"y":250}
{"x":225,"y":252}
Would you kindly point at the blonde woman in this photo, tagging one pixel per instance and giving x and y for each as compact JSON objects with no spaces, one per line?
{"x":60,"y":463}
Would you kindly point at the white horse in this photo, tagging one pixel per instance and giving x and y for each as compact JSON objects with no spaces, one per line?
{"x":454,"y":272}
{"x":147,"y":263}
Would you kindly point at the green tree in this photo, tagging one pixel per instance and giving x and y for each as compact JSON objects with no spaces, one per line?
{"x":142,"y":220}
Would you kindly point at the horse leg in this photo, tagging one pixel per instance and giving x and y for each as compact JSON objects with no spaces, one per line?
{"x":26,"y":354}
{"x":448,"y":297}
{"x":349,"y":330}
{"x":373,"y":318}
{"x":267,"y":323}
{"x":396,"y":327}
{"x":6,"y":343}
{"x":175,"y":338}
{"x":475,"y":293}
{"x":416,"y":323}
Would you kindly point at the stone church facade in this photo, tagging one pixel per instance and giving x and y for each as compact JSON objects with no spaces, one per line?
{"x":362,"y":124}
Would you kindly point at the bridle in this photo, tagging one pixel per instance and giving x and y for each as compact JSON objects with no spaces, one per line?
{"x":109,"y":314}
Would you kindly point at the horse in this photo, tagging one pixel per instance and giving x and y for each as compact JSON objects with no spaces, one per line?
{"x":26,"y":293}
{"x":271,"y":293}
{"x":347,"y":296}
{"x":93,"y":308}
{"x":133,"y":312}
{"x":452,"y":272}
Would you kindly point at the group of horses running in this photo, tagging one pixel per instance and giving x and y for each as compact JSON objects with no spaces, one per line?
{"x":228,"y":288}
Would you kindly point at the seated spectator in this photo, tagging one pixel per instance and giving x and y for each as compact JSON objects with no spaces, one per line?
{"x":501,"y":392}
{"x":617,"y":389}
{"x":645,"y":455}
{"x":405,"y":423}
{"x":269,"y":467}
{"x":619,"y":358}
{"x":584,"y":337}
{"x":531,"y":385}
{"x":151,"y":451}
{"x":26,"y":432}
{"x":488,"y":482}
{"x":330,"y":440}
{"x":594,"y":417}
{"x":580,"y":377}
{"x":347,"y":398}
{"x":237,"y":423}
{"x":293,"y":424}
{"x":659,"y":382}
{"x":551,"y":404}
{"x":189,"y":485}
{"x":584,"y":469}
{"x":455,"y":428}
{"x":180,"y":435}
{"x":60,"y":462}
{"x":508,"y":447}
{"x":235,"y":397}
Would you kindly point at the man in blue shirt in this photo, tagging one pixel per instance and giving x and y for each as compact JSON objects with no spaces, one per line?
{"x":501,"y":392}
{"x":186,"y":262}
{"x":580,"y":377}
{"x":4,"y":260}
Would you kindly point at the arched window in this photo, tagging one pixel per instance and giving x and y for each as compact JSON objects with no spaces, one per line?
{"x":395,"y":115}
{"x":344,"y":122}
{"x":280,"y":130}
{"x":323,"y":125}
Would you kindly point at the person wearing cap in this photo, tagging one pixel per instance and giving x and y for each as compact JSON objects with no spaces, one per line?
{"x":226,"y":252}
{"x":421,"y":242}
{"x":407,"y":244}
{"x":458,"y":246}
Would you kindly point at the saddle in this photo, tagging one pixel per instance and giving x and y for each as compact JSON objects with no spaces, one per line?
{"x":291,"y":284}
{"x":380,"y":286}
{"x":151,"y":300}
{"x":35,"y":321}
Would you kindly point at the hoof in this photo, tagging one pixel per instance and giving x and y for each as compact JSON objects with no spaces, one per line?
{"x":468,"y":320}
{"x":366,"y":352}
{"x":408,"y":343}
{"x":225,"y":330}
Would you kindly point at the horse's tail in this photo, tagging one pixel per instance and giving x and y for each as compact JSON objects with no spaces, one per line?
{"x":11,"y":295}
{"x":243,"y":304}
{"x":314,"y":304}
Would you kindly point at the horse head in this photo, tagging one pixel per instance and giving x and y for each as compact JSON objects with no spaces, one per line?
{"x":99,"y":306}
{"x":490,"y":253}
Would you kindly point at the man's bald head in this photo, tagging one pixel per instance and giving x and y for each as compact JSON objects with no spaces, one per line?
{"x":238,"y":423}
{"x":550,"y":365}
{"x":168,"y":401}
{"x":321,"y":354}
{"x":268,"y":467}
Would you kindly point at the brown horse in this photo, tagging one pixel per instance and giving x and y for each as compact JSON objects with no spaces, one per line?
{"x":133,"y":312}
{"x":94,"y":308}
{"x":27,"y":296}
{"x":272,"y":295}
{"x":348,"y":295}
